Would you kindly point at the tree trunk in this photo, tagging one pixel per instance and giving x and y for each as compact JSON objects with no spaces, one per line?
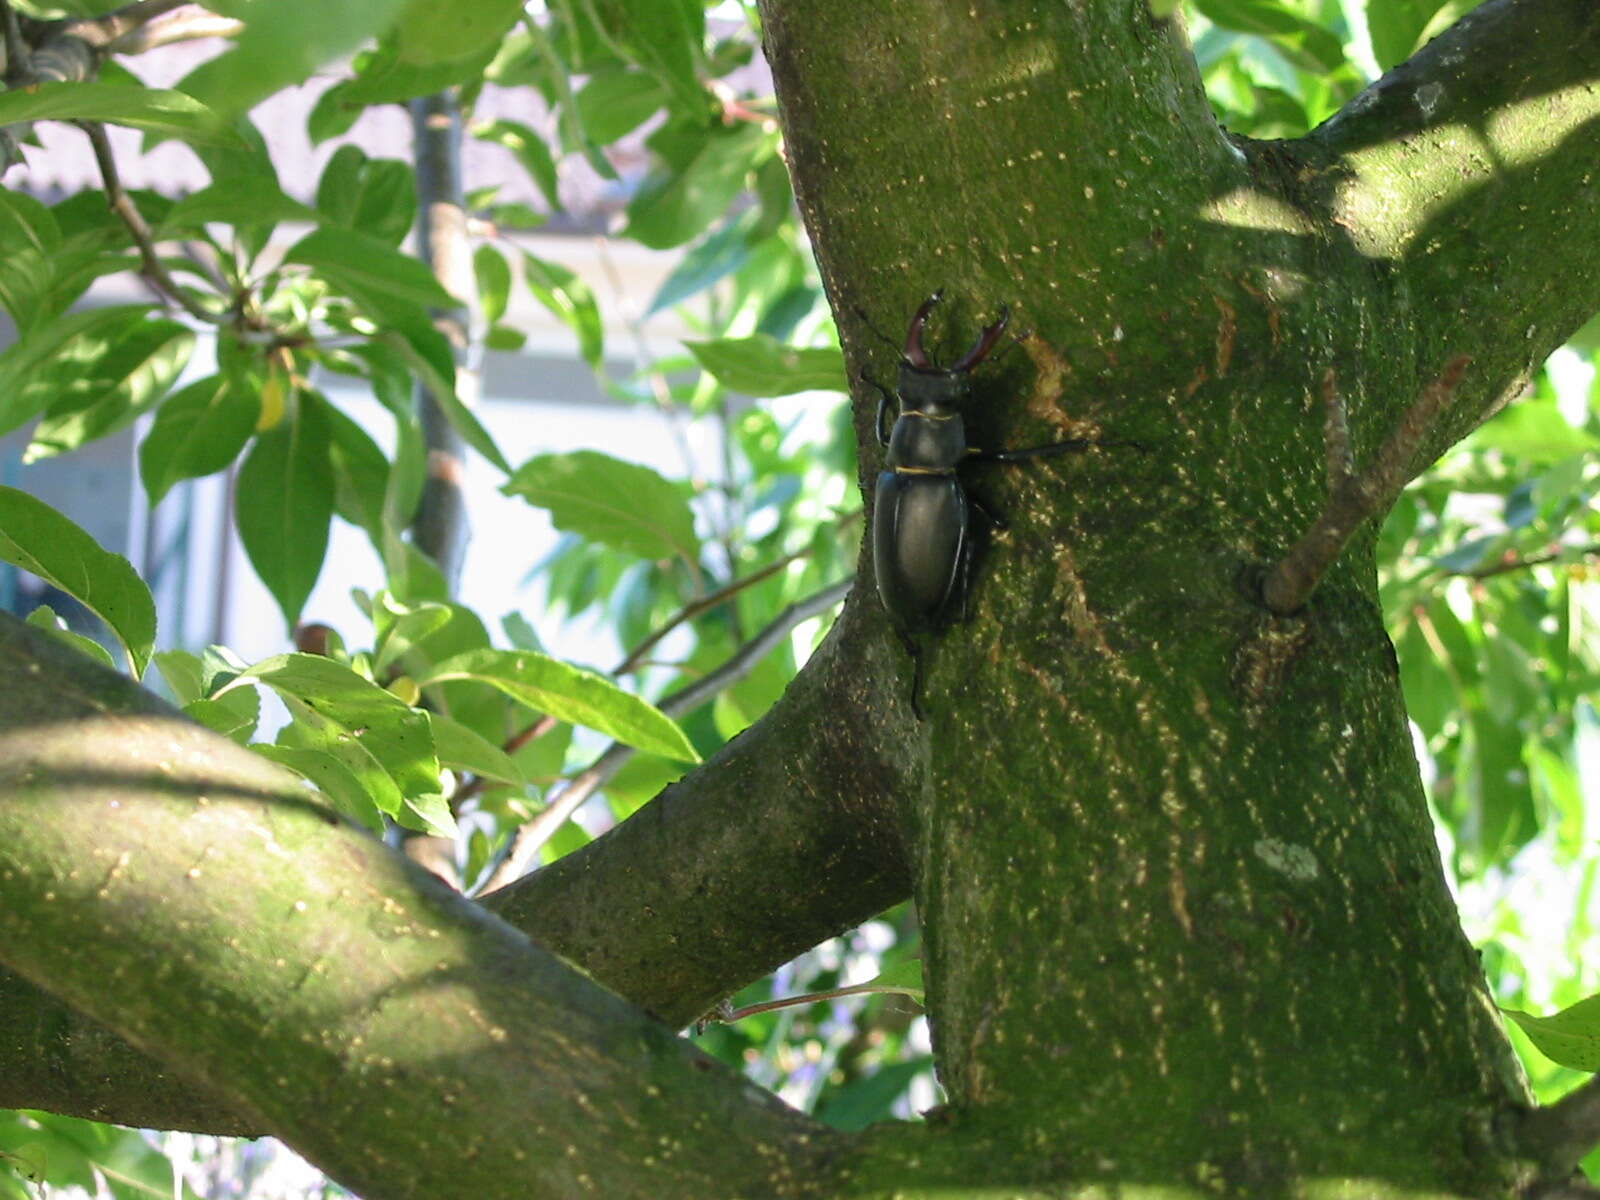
{"x":1184,"y":913}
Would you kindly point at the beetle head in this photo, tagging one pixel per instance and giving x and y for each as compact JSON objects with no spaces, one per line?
{"x":933,"y":389}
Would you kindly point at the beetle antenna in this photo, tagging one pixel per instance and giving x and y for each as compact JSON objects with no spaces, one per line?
{"x":914,"y":353}
{"x":985,"y":343}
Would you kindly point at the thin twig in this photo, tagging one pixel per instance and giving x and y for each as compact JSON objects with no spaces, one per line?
{"x":152,"y":268}
{"x":530,"y":839}
{"x":102,"y":31}
{"x":185,"y":27}
{"x":751,"y":1010}
{"x":710,"y":600}
{"x":1355,"y":496}
{"x":1524,"y":562}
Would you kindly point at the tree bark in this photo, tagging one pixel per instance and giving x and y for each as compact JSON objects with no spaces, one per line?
{"x":191,"y":894}
{"x":1203,"y":820}
{"x":782,"y":842}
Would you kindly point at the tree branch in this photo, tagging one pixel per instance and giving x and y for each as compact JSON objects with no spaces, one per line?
{"x":131,"y":868}
{"x":788,"y":835}
{"x":152,"y":268}
{"x":785,"y":838}
{"x":1458,"y":170}
{"x":1560,"y":1135}
{"x":138,"y":27}
{"x":1353,"y":496}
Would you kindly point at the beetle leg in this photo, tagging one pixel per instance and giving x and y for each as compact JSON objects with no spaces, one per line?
{"x":884,"y":396}
{"x":1044,"y":451}
{"x":964,"y":577}
{"x":915,"y":651}
{"x":994,"y":522}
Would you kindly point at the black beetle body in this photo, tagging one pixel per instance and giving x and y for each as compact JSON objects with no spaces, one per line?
{"x":921,"y":542}
{"x":922,"y":515}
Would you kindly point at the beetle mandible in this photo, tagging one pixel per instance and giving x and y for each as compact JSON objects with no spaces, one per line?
{"x":922,"y":515}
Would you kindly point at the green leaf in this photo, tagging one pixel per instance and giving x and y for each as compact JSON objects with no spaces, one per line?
{"x":1571,"y":1037}
{"x":385,"y":743}
{"x":530,"y":150}
{"x":100,"y":395}
{"x":904,"y":978}
{"x":240,"y":200}
{"x":1499,"y":786}
{"x":283,"y":43}
{"x":37,"y":538}
{"x":401,"y":627}
{"x":494,"y":282}
{"x":1310,"y":44}
{"x":233,"y":715}
{"x":29,"y":367}
{"x":1430,"y":695}
{"x":429,"y":812}
{"x":375,"y":196}
{"x":463,"y":749}
{"x":184,"y":674}
{"x":426,"y":351}
{"x":383,"y":76}
{"x":284,"y":506}
{"x":681,"y":198}
{"x":155,"y":110}
{"x":360,"y":471}
{"x":869,"y":1099}
{"x":337,"y":782}
{"x":762,"y":366}
{"x":606,"y":500}
{"x":429,"y":32}
{"x":569,"y":299}
{"x":666,"y":38}
{"x":570,"y":693}
{"x":520,"y":632}
{"x":718,"y":256}
{"x":1395,"y":27}
{"x":44,"y":617}
{"x":199,"y":430}
{"x":365,"y":267}
{"x":1532,"y":429}
{"x":30,"y":241}
{"x":335,"y":111}
{"x":614,"y":103}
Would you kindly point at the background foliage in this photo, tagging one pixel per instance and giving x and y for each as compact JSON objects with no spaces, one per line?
{"x":436,"y":718}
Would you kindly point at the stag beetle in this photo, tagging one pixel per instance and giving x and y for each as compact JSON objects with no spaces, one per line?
{"x":921,"y":523}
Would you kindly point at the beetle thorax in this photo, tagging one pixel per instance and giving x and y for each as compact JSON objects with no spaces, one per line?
{"x":929,"y":437}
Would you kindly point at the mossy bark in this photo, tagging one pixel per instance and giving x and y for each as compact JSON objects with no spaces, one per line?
{"x":1185,"y":918}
